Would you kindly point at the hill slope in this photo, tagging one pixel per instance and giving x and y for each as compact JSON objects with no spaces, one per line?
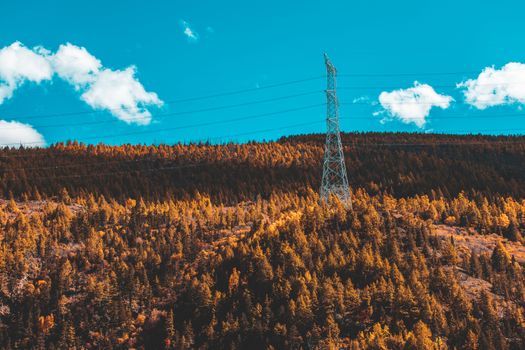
{"x":401,"y":164}
{"x":229,"y":248}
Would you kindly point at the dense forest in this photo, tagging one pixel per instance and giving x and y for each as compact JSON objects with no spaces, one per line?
{"x":228,"y":247}
{"x":401,"y":164}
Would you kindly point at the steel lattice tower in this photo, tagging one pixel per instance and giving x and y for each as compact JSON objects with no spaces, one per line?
{"x":335,"y":181}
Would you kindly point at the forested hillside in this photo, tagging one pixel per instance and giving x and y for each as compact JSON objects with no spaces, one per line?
{"x":400,"y":164}
{"x":228,"y":247}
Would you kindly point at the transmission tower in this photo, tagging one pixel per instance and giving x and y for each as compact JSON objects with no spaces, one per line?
{"x":335,"y":181}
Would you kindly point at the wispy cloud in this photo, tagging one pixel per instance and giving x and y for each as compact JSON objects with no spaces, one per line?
{"x":412,"y":105}
{"x":191,"y":34}
{"x":364,"y":100}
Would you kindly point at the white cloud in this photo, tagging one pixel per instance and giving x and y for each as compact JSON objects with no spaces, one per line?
{"x":117,"y":91}
{"x":75,"y":65}
{"x":122,"y":94}
{"x":190,"y":33}
{"x":495,"y":87}
{"x":14,"y":134}
{"x":413,"y":105}
{"x":19,"y":64}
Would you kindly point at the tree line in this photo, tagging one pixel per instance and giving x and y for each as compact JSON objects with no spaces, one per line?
{"x":400,"y":164}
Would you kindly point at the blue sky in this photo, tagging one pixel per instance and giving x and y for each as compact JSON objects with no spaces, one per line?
{"x":185,"y":50}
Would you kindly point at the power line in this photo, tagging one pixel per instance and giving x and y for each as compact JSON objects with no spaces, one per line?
{"x":249,"y":117}
{"x":417,"y":103}
{"x":219,"y":108}
{"x":513,"y":115}
{"x":154,"y":169}
{"x":34,"y":117}
{"x":276,"y":113}
{"x":262,"y":131}
{"x":264,"y":87}
{"x":351,"y":145}
{"x":258,"y":102}
{"x":196,"y":141}
{"x":270,"y":86}
{"x":270,"y":114}
{"x":490,"y":132}
{"x":202,"y":110}
{"x":140,"y":132}
{"x":479,"y":131}
{"x":439,"y":86}
{"x":438,"y":144}
{"x":247,"y":90}
{"x":367,"y":75}
{"x":190,"y":99}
